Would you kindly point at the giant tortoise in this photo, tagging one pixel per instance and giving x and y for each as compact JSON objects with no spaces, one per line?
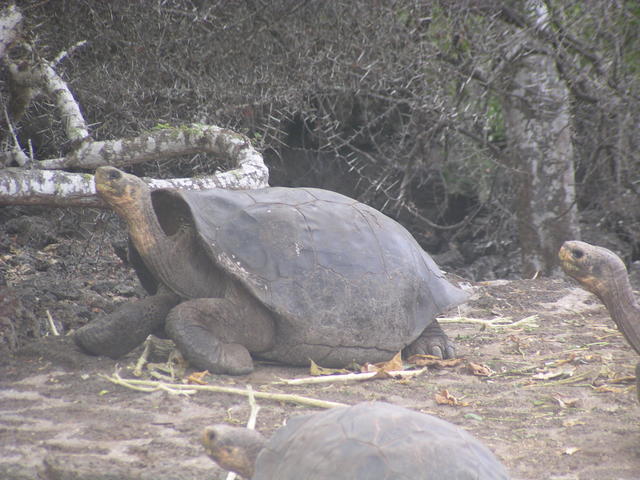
{"x":603,"y":273}
{"x":367,"y":441}
{"x":286,"y":274}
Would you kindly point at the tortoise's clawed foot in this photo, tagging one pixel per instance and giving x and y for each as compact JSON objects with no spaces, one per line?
{"x":234,"y":359}
{"x":221,"y":358}
{"x":433,"y":341}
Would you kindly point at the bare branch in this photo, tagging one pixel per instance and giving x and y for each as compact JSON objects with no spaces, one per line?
{"x":15,"y":155}
{"x":42,"y":187}
{"x":58,"y":188}
{"x":74,"y":123}
{"x":62,"y":55}
{"x":156,"y":145}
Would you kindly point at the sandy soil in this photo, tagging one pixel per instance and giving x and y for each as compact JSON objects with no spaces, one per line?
{"x":559,"y":402}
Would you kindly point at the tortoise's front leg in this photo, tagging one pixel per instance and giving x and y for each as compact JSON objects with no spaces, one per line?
{"x":432,"y":341}
{"x":217,"y":334}
{"x":127,"y":327}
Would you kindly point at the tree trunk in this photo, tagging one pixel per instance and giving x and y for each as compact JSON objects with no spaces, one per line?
{"x":538,"y":125}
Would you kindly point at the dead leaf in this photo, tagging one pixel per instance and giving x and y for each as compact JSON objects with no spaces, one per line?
{"x":196,"y":377}
{"x":445,"y":398}
{"x":480,"y":370}
{"x":432,"y":361}
{"x":393,"y":365}
{"x":316,"y":370}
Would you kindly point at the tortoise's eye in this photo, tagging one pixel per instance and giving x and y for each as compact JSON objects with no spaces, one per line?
{"x":577,"y":253}
{"x":114,"y":175}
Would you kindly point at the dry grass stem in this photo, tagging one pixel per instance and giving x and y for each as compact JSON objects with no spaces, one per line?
{"x":179,"y":388}
{"x":348,"y":377}
{"x":501,"y":322}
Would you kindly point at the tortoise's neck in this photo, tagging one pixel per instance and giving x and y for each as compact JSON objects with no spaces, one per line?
{"x":173,"y":259}
{"x":623,"y":307}
{"x":157,"y":250}
{"x":144,"y":229}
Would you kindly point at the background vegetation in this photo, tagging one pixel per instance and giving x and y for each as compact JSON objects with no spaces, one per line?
{"x":398,"y":103}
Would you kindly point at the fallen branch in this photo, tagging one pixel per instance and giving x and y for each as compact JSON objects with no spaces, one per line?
{"x":52,"y":188}
{"x":62,"y":189}
{"x":500,"y":322}
{"x":349,"y":377}
{"x":179,"y":388}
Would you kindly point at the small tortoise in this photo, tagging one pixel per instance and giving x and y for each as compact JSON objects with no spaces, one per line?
{"x":603,"y":273}
{"x":286,"y":274}
{"x":368,"y":441}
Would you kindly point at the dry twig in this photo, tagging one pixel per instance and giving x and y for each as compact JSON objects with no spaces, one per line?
{"x":349,"y":377}
{"x":52,"y":325}
{"x":500,"y":322}
{"x":179,"y":388}
{"x":251,"y":423}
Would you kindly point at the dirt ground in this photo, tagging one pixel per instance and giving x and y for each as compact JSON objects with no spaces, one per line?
{"x":558,"y":402}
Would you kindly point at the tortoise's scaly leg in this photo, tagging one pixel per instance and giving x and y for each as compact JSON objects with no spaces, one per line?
{"x":217,"y":334}
{"x":127,"y":327}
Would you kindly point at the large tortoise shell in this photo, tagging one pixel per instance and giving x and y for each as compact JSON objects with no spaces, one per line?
{"x":375,"y":441}
{"x":334,"y":271}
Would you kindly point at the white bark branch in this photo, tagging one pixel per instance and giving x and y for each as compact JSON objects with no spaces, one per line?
{"x":58,"y":188}
{"x":43,"y":187}
{"x":42,"y":76}
{"x":156,"y":145}
{"x":72,"y":119}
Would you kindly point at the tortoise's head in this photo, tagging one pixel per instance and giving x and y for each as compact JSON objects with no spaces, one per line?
{"x":233,"y":448}
{"x":595,"y":268}
{"x":123,"y":192}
